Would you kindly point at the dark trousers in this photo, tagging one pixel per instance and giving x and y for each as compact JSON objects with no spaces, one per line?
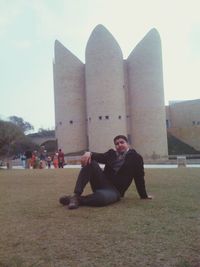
{"x":104,"y":193}
{"x":60,"y":164}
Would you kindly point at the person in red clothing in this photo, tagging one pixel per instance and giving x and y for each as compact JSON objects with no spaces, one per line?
{"x":61,"y":159}
{"x":55,"y":160}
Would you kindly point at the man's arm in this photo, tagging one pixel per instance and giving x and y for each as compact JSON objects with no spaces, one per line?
{"x":88,"y":156}
{"x":139,"y":178}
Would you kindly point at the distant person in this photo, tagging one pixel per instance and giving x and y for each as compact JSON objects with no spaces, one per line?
{"x":35,"y":161}
{"x":55,"y":160}
{"x":42,"y":156}
{"x":41,"y":165}
{"x":49,"y":160}
{"x":109,"y":185}
{"x":28,"y":155}
{"x":23,"y":160}
{"x":61,"y":159}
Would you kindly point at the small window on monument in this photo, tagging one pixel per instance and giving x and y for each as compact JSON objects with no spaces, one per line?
{"x":100,"y":117}
{"x":60,"y":122}
{"x":71,"y":122}
{"x":89,"y":119}
{"x":119,"y":117}
{"x":107,"y":117}
{"x":193,"y":122}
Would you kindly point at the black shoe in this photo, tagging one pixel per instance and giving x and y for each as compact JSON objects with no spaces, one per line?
{"x":74,"y":203}
{"x":64,"y":200}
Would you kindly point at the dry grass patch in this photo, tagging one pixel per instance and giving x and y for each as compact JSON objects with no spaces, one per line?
{"x":37,"y":231}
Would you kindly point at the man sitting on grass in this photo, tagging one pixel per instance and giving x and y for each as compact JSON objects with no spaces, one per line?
{"x":110,"y":184}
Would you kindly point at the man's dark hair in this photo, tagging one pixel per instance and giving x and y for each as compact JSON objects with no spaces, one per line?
{"x":120,"y":136}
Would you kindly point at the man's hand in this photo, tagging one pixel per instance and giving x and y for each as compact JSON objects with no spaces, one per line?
{"x":86,"y":159}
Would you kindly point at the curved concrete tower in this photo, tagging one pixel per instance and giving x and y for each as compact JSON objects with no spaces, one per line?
{"x":105,"y":96}
{"x":69,"y":91}
{"x":146,"y":94}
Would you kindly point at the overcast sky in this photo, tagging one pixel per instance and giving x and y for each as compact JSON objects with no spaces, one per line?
{"x":29,"y":28}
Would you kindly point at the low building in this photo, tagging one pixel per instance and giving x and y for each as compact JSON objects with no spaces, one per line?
{"x":183,"y":121}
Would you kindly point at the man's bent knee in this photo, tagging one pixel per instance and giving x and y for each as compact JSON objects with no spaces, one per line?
{"x":92,"y":165}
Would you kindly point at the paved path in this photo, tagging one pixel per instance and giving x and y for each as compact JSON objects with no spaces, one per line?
{"x":146,"y":166}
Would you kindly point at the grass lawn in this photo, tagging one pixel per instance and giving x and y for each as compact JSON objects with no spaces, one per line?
{"x":37,"y":232}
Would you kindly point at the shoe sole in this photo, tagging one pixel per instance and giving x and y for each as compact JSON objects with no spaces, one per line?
{"x":72,"y":207}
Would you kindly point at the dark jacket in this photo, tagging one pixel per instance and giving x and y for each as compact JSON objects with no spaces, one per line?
{"x":131,"y":168}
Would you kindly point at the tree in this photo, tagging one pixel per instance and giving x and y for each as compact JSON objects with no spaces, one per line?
{"x":46,"y":132}
{"x":9,"y":135}
{"x":23,"y":125}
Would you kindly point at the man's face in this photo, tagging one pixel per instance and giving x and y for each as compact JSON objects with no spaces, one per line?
{"x":121,"y":145}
